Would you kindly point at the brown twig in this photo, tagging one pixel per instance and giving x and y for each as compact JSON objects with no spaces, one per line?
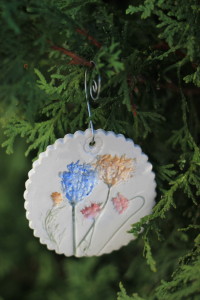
{"x":76,"y":60}
{"x":187,"y":91}
{"x":89,"y":37}
{"x":135,"y":89}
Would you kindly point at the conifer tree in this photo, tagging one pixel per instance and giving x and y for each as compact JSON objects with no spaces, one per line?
{"x":148,"y":55}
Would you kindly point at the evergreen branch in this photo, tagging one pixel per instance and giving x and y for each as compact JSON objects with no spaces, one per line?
{"x":191,"y":226}
{"x":182,"y":182}
{"x":148,"y":254}
{"x":53,"y":104}
{"x":194,"y":77}
{"x":185,"y":280}
{"x":41,"y":136}
{"x":13,"y":129}
{"x":122,"y":295}
{"x":143,"y":122}
{"x":166,"y":172}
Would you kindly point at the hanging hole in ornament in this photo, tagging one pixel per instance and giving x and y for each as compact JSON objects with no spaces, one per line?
{"x":93,"y":145}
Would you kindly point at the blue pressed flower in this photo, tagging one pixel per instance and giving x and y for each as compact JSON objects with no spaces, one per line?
{"x":78,"y":182}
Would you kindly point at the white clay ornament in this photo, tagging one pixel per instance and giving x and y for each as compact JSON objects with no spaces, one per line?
{"x":81,"y":199}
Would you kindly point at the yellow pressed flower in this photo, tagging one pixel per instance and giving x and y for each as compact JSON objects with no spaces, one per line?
{"x":57,"y":198}
{"x":114,"y":169}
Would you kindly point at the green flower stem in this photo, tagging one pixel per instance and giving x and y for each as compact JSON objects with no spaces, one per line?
{"x":93,"y":227}
{"x":49,"y":225}
{"x":95,"y":222}
{"x":48,"y":220}
{"x":74,"y":227}
{"x":112,"y":236}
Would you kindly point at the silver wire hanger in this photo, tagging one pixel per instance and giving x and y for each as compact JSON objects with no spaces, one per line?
{"x":94,"y":89}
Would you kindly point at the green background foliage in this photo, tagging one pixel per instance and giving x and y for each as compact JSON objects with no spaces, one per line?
{"x":149,"y":63}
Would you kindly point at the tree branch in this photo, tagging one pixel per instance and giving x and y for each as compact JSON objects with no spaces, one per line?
{"x":76,"y":60}
{"x":89,"y":37}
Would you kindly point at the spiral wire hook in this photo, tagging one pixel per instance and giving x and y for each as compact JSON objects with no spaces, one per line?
{"x":94,"y":89}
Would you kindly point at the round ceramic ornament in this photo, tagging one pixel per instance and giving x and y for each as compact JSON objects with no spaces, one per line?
{"x":81,"y":199}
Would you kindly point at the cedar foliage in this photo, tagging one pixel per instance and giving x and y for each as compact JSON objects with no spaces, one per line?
{"x":149,"y":63}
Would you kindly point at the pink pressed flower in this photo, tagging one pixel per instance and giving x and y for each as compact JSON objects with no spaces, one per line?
{"x":120,"y":203}
{"x":91,"y":211}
